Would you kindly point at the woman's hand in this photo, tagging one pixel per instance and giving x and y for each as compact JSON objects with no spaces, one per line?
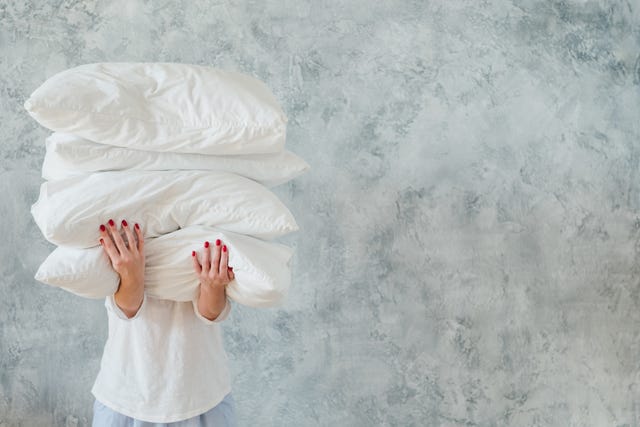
{"x":127,"y":259}
{"x":214,"y":275}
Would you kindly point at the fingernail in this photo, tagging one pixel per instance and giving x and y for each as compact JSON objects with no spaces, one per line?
{"x":124,"y":223}
{"x":206,"y":244}
{"x":224,"y":248}
{"x":230,"y":268}
{"x":111,"y":223}
{"x":217,"y":242}
{"x":193,"y":253}
{"x":137,"y":226}
{"x":101,"y":242}
{"x":102,"y":227}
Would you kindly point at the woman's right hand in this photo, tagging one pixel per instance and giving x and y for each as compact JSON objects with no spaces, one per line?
{"x":127,"y":258}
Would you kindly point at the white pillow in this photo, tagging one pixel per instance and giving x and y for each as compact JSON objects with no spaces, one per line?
{"x":69,"y":211}
{"x":162,"y":106}
{"x":262,"y":269}
{"x":68,"y":155}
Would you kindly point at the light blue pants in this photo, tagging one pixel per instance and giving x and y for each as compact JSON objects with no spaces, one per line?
{"x":221,"y":415}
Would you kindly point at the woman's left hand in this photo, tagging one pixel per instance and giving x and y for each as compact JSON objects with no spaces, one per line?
{"x":214,"y":273}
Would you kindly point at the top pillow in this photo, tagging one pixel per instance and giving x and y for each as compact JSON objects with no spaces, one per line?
{"x":162,"y":106}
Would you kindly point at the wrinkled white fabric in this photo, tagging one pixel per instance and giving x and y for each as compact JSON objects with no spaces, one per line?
{"x":162,"y":106}
{"x":167,"y":363}
{"x":262,"y":269}
{"x":68,"y":155}
{"x":68,"y":211}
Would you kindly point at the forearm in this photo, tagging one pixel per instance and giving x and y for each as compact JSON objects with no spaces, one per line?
{"x":211,"y":301}
{"x":129,"y":296}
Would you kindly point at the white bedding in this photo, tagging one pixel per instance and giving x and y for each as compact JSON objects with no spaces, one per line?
{"x":68,"y":155}
{"x":186,"y":151}
{"x":160,"y":106}
{"x":69,"y":211}
{"x":262,"y":269}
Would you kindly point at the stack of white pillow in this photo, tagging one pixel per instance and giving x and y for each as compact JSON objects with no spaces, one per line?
{"x":188,"y":152}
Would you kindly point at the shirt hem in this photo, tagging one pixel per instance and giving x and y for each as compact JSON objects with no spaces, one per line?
{"x":162,"y":419}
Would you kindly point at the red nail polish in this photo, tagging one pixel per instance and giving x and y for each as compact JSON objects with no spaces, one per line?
{"x":102,"y":227}
{"x":193,"y":253}
{"x":206,"y":244}
{"x":217,"y":242}
{"x":111,"y":223}
{"x":230,"y":268}
{"x":124,"y":223}
{"x":137,"y":226}
{"x":224,"y":248}
{"x":101,"y":242}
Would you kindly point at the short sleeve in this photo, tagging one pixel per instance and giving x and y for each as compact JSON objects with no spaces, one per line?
{"x":222,"y":316}
{"x":111,"y":304}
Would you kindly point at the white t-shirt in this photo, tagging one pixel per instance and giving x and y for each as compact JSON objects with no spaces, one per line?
{"x":167,"y":363}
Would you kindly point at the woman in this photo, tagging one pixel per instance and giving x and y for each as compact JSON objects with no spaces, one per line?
{"x":164,"y":362}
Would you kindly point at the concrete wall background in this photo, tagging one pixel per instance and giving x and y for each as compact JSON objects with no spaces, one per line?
{"x":470,"y":238}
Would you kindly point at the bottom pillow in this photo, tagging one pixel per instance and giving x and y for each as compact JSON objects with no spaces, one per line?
{"x":262,"y":269}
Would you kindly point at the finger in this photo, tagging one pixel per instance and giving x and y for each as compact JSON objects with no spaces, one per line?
{"x":140,"y":238}
{"x":231,"y":274}
{"x":131,"y":240}
{"x":196,"y":264}
{"x":206,"y":257}
{"x":107,"y":244}
{"x":224,"y":260}
{"x":117,"y":238}
{"x":215,"y":263}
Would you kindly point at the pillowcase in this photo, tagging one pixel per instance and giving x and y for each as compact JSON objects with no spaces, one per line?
{"x":262,"y":269}
{"x":69,"y":155}
{"x":69,"y":211}
{"x":162,"y":106}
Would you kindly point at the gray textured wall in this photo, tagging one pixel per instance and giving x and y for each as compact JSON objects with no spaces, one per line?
{"x":470,"y":238}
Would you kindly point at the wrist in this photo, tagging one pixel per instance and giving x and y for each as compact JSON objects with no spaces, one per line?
{"x":129,"y":295}
{"x":211,"y":301}
{"x":133,"y":281}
